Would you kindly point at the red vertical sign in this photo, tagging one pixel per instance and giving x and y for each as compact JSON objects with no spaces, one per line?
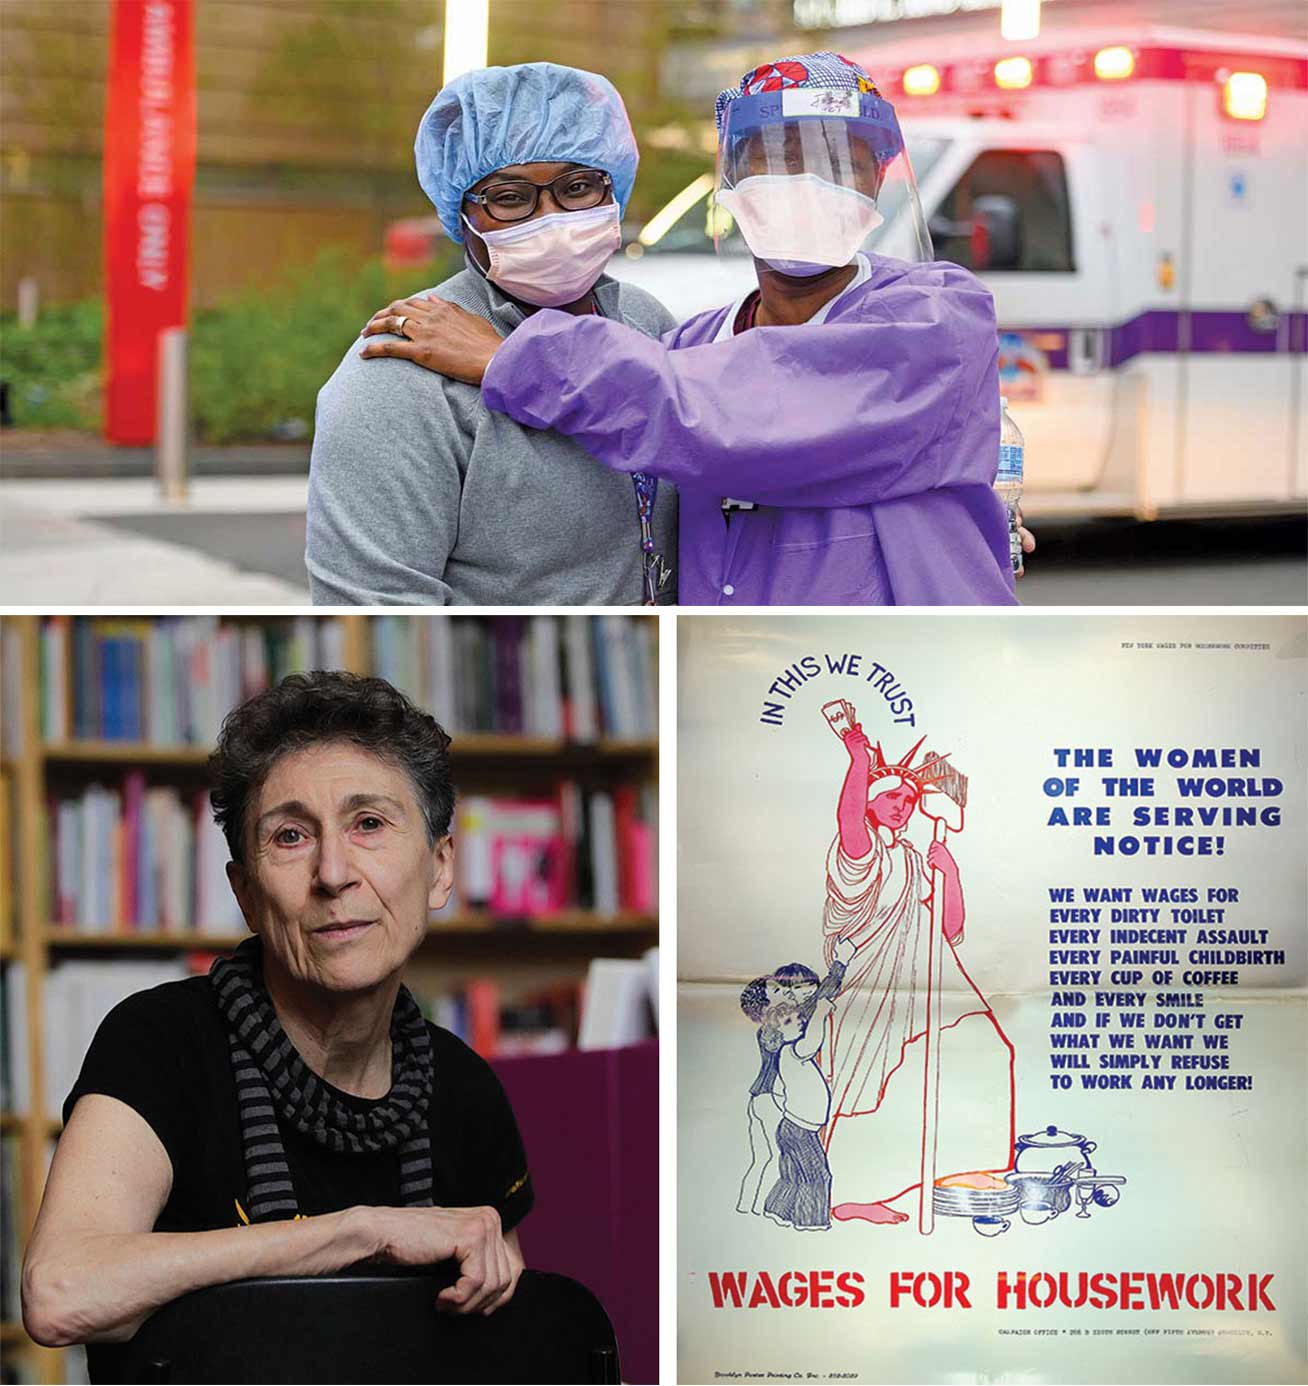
{"x":149,"y":167}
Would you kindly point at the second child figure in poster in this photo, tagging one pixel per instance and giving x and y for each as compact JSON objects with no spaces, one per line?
{"x":801,"y":1197}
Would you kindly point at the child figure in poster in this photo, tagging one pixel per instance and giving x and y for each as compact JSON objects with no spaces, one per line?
{"x":798,"y":984}
{"x":879,"y":897}
{"x":801,"y":1197}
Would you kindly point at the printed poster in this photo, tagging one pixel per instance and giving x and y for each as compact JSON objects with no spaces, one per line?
{"x":1011,"y":910}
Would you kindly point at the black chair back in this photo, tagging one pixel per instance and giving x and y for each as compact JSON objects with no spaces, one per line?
{"x":375,"y":1327}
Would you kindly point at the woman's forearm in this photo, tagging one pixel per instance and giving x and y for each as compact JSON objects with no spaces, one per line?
{"x":953,"y":912}
{"x":637,"y":405}
{"x":101,"y":1286}
{"x":851,"y":812}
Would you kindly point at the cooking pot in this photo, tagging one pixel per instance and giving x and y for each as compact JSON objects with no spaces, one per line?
{"x":1041,"y":1198}
{"x":1043,"y":1152}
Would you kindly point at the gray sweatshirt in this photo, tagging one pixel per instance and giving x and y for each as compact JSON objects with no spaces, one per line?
{"x":420,"y":496}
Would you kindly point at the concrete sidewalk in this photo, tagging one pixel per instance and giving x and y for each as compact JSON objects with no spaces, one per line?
{"x":113,"y":542}
{"x":239,"y":542}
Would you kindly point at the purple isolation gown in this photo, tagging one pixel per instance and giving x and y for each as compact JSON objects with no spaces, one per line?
{"x":868,"y":440}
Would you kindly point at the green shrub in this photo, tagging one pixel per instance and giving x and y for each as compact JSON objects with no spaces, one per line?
{"x":257,"y":361}
{"x":53,"y":368}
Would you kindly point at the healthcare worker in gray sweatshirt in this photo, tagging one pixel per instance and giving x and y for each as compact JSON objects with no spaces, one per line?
{"x":419,"y":495}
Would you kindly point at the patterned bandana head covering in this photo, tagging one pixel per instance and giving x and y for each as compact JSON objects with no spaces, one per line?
{"x":273,"y":1082}
{"x":815,"y":70}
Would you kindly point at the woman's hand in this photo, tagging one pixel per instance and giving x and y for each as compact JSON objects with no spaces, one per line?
{"x":438,"y":335}
{"x":1028,"y":539}
{"x":939,"y":858}
{"x":489,"y":1263}
{"x":856,"y":743}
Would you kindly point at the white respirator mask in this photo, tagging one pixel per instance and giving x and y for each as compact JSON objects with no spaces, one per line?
{"x":554,"y":259}
{"x":800,"y":224}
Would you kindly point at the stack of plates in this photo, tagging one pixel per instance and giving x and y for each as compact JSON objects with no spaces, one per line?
{"x":956,"y":1202}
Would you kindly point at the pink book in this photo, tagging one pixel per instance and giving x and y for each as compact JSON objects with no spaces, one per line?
{"x":529,"y":874}
{"x":641,"y":850}
{"x":528,"y":858}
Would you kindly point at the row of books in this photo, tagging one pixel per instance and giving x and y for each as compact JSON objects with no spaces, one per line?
{"x":616,"y":1005}
{"x":139,"y":858}
{"x":170,"y":680}
{"x":576,"y":678}
{"x":586,"y":850}
{"x":135,"y":857}
{"x":77,"y":997}
{"x":543,"y":1022}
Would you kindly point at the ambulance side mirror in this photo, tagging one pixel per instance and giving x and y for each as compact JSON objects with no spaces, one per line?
{"x":996,"y":232}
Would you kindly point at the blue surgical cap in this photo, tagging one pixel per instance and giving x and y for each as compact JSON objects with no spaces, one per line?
{"x":532,"y":113}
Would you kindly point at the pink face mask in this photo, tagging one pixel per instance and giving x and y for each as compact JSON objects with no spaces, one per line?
{"x":799,"y":223}
{"x":554,"y":259}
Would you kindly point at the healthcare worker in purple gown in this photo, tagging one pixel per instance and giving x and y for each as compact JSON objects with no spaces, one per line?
{"x":833,"y":435}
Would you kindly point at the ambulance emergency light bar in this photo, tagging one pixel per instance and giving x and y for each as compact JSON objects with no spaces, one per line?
{"x":922,"y":80}
{"x":1243,"y":94}
{"x":1013,"y":73}
{"x":1114,"y":64}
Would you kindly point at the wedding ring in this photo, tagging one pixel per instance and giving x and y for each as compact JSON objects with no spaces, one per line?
{"x":399,"y":325}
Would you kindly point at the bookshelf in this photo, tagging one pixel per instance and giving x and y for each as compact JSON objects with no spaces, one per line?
{"x":470,"y":748}
{"x":43,"y":763}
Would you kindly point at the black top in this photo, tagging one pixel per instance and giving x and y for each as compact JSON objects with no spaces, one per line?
{"x":164,"y":1052}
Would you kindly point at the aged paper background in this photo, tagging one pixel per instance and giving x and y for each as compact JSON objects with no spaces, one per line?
{"x":1215,"y":1179}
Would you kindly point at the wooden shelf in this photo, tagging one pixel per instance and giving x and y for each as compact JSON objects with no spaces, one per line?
{"x":123,"y":753}
{"x":457,"y":926}
{"x":62,"y":937}
{"x":11,"y":1123}
{"x":479,"y":746}
{"x":492,"y":746}
{"x":567,"y":922}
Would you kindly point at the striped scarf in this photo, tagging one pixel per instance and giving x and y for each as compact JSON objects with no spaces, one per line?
{"x":273,"y":1081}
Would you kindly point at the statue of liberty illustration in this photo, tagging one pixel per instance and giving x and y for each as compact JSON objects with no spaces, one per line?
{"x":902,"y":1081}
{"x":919,"y":1069}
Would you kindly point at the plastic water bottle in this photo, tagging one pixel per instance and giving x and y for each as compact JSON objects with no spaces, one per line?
{"x":1008,"y":479}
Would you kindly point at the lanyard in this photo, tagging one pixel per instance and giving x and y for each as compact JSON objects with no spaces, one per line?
{"x":654,"y":573}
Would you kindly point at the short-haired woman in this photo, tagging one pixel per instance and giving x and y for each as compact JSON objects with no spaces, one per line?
{"x":291,"y":1113}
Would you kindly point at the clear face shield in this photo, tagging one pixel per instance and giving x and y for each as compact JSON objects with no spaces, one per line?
{"x":809,"y":177}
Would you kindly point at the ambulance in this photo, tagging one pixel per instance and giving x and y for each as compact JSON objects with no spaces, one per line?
{"x":1137,"y":202}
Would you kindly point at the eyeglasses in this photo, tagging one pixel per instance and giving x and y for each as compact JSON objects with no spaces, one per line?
{"x":517,"y":199}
